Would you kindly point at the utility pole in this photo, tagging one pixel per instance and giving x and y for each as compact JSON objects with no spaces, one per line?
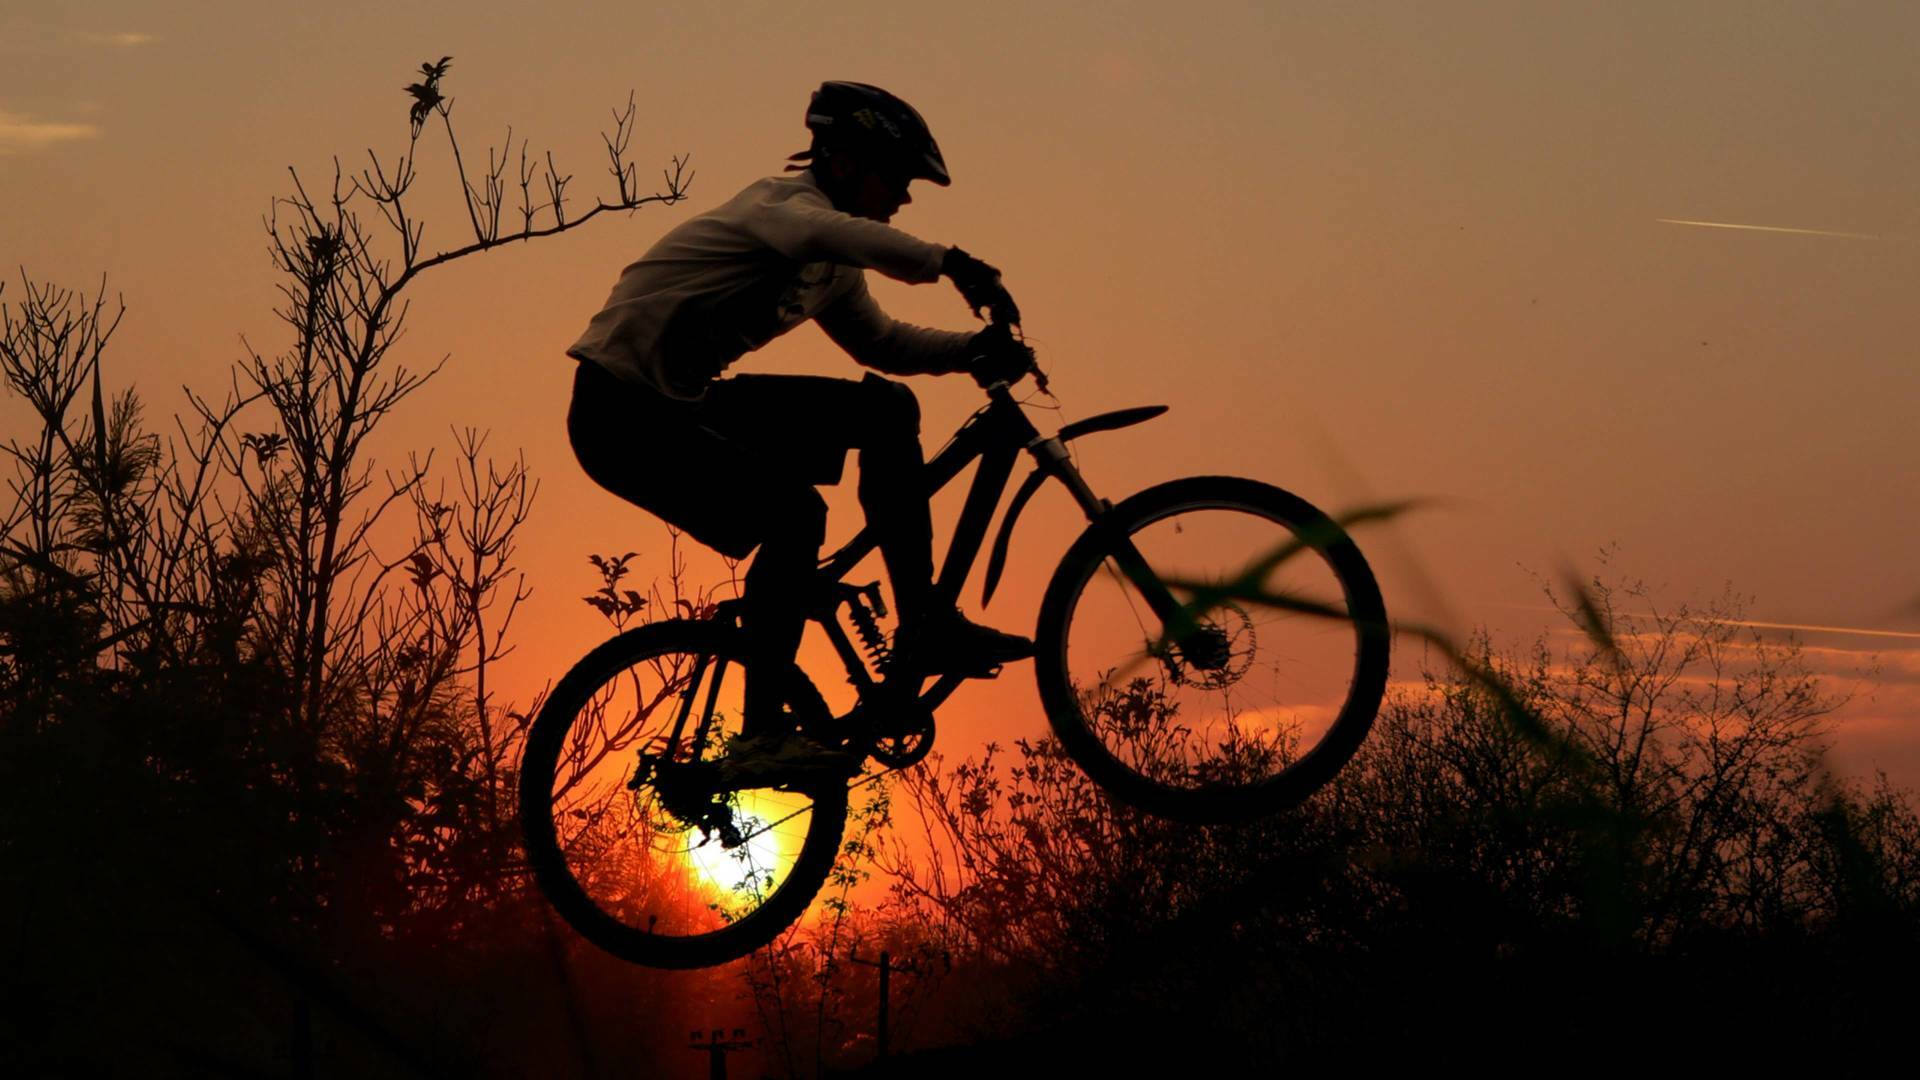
{"x":885,"y":965}
{"x":717,"y":1046}
{"x":887,"y":968}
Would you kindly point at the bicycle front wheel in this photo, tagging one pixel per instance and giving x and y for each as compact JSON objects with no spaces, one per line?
{"x":627,"y":829}
{"x":1196,"y":681}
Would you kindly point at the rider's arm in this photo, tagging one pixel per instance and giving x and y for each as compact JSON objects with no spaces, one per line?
{"x":880,"y":341}
{"x":802,"y":226}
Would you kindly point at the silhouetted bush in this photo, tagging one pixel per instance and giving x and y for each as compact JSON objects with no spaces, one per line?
{"x":254,"y":783}
{"x":1653,"y":848}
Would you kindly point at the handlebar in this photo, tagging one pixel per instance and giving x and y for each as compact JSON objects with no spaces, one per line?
{"x":1002,"y":311}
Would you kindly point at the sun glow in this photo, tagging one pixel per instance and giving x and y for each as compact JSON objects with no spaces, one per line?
{"x":1302,"y":721}
{"x":761,"y":861}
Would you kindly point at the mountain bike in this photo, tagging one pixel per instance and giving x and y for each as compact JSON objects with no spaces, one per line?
{"x":1210,"y":649}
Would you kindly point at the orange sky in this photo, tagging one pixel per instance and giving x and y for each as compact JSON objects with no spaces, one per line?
{"x":1364,"y":251}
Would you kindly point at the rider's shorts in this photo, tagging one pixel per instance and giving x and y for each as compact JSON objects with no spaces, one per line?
{"x":729,"y":468}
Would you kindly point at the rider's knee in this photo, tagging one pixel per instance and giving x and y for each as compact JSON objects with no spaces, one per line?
{"x":797,"y":520}
{"x":894,"y":409}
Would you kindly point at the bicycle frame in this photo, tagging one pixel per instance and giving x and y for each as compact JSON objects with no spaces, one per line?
{"x":994,"y":436}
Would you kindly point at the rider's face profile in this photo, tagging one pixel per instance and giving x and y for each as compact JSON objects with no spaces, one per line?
{"x":870,"y":190}
{"x":881,"y":196}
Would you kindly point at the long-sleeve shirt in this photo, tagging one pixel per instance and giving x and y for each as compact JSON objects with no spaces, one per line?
{"x":728,"y":281}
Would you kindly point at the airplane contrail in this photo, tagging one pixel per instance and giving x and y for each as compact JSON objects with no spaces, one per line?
{"x":1757,"y":624}
{"x":1767,"y":228}
{"x":1861,"y":631}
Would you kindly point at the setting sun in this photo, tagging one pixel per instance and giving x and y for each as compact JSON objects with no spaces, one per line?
{"x":759,"y":861}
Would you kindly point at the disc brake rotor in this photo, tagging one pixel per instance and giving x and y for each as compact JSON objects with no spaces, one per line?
{"x":1218,"y":652}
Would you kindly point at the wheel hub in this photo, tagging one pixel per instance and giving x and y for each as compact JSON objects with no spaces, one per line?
{"x":1216,"y":654}
{"x":685,"y":790}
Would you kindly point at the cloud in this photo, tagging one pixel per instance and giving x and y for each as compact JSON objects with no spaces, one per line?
{"x":120,"y":39}
{"x":20,"y":133}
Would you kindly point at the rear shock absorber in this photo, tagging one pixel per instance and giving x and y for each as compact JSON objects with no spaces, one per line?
{"x":865,"y":608}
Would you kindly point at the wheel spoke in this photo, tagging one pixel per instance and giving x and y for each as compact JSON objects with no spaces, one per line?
{"x":1220,"y":719}
{"x":673,"y":871}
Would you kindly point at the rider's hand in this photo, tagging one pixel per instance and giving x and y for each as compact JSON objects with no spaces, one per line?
{"x":996,"y":357}
{"x":979,"y":285}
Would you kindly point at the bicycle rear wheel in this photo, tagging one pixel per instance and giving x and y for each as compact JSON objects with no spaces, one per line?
{"x":1200,"y":706}
{"x":626,"y":828}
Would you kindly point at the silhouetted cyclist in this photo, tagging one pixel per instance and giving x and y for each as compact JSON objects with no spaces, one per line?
{"x":734,"y":461}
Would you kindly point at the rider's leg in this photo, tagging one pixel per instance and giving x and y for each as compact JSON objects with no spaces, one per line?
{"x":893,"y":490}
{"x":808,"y":423}
{"x":775,"y":615}
{"x":804,"y":425}
{"x":664,"y":456}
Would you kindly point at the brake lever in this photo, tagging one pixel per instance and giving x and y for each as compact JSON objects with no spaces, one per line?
{"x":1004,"y":312}
{"x":1033,"y":368}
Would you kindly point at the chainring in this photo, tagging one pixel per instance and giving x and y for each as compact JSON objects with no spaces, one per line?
{"x":904,"y":739}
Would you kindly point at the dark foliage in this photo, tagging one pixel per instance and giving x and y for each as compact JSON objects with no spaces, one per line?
{"x":253,"y":779}
{"x":1654,"y":866}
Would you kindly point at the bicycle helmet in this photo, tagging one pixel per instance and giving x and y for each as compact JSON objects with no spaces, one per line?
{"x":857,"y":116}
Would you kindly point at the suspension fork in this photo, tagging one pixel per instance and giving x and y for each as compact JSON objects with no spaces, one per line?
{"x":1176,"y":619}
